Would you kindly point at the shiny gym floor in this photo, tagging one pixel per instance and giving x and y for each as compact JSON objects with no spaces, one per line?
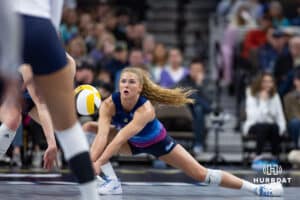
{"x":138,"y":184}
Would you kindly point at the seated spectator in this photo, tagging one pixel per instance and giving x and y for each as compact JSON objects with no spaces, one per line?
{"x":68,"y":29}
{"x":256,"y":37}
{"x":286,"y":65}
{"x":160,"y":58}
{"x":76,"y":48}
{"x":264,"y":114}
{"x":148,"y":48}
{"x":196,"y":80}
{"x":292,"y":110}
{"x":174,"y":72}
{"x":102,"y":54}
{"x":136,"y":59}
{"x":296,"y":20}
{"x":84,"y":72}
{"x":276,"y":12}
{"x":119,"y":60}
{"x":271,"y":50}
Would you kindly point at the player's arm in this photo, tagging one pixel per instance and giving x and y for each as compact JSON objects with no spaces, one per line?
{"x":141,"y":117}
{"x":42,"y":110}
{"x":41,"y":115}
{"x":105,"y":115}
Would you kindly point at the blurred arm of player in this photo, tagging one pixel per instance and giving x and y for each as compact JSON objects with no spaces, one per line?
{"x":41,"y":115}
{"x":9,"y":40}
{"x":141,"y":117}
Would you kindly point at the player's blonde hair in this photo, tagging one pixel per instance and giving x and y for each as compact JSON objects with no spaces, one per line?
{"x":157,"y":94}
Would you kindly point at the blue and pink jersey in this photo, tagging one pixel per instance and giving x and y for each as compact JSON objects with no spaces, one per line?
{"x":152,"y":133}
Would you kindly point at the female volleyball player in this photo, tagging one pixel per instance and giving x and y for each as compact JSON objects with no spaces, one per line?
{"x":131,"y":111}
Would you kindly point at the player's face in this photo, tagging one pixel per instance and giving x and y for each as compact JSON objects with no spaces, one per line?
{"x":129,"y":85}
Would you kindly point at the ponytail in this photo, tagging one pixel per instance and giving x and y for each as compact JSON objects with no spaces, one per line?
{"x":157,"y":94}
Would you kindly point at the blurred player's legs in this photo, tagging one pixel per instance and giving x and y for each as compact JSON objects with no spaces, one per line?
{"x":53,"y":77}
{"x":9,"y":62}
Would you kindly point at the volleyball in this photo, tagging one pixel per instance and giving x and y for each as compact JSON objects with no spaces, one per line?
{"x":87,"y":99}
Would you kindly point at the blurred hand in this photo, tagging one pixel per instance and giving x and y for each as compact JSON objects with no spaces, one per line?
{"x":50,"y":157}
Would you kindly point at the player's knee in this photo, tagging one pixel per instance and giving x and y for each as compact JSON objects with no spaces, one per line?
{"x":213,"y":177}
{"x":200,"y":175}
{"x":13,"y":122}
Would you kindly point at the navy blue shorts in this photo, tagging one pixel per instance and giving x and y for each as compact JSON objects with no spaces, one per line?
{"x":158,"y":149}
{"x":42,"y":48}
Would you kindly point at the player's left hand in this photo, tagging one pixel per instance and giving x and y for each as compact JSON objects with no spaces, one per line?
{"x":50,"y":157}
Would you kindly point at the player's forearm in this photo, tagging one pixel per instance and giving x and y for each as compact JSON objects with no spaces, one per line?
{"x":47,"y":126}
{"x":110,"y":150}
{"x":98,"y":146}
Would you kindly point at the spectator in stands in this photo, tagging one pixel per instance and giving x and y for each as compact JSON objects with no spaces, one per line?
{"x":256,"y":37}
{"x":84,"y":72}
{"x":102,"y":10}
{"x":69,"y":29}
{"x":292,"y":110}
{"x":240,"y":23}
{"x":196,"y":80}
{"x":135,"y":35}
{"x":89,"y":36}
{"x":99,"y":30}
{"x":111,"y":24}
{"x":148,"y":48}
{"x":119,"y":60}
{"x":76,"y":48}
{"x":102,"y":54}
{"x":160,"y":58}
{"x":296,"y":20}
{"x":286,"y":65}
{"x":174,"y":72}
{"x":271,"y":50}
{"x":276,"y":12}
{"x":84,"y":20}
{"x":136,"y":59}
{"x":264,"y":114}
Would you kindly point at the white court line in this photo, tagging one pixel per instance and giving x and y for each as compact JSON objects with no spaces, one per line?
{"x":30,"y":175}
{"x":123,"y":183}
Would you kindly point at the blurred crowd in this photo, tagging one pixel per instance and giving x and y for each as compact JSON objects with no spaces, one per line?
{"x":258,"y":60}
{"x":260,"y":63}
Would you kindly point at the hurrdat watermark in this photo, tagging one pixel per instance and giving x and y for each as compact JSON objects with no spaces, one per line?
{"x":273,"y":173}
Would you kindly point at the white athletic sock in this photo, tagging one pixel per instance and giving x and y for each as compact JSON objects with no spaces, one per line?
{"x":109,"y":171}
{"x":75,"y":148}
{"x":72,"y":141}
{"x":88,"y":191}
{"x":6,"y":137}
{"x":247,"y":186}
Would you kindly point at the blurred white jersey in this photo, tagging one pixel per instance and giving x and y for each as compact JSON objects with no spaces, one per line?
{"x":36,"y":8}
{"x":51,"y":9}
